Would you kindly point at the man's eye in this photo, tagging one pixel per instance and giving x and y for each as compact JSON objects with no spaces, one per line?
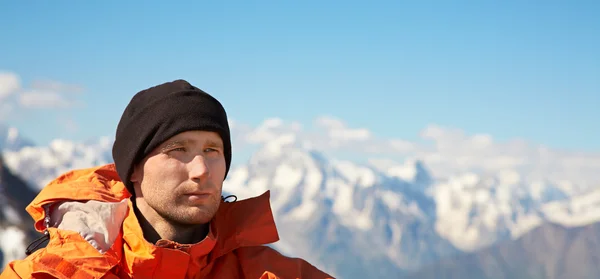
{"x":178,"y":149}
{"x":210,"y":150}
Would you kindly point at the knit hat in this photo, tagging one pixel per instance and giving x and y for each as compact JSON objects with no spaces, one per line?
{"x":158,"y":113}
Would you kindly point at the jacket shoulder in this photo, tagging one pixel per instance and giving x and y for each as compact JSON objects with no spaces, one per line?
{"x":45,"y":263}
{"x":22,"y":268}
{"x":17,"y":269}
{"x":266,"y":262}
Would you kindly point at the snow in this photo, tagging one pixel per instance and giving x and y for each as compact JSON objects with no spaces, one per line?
{"x":275,"y":147}
{"x":343,"y":202}
{"x":473,"y":208}
{"x":12,"y":244}
{"x":474,"y":211}
{"x":537,"y":189}
{"x":313,"y":179}
{"x":474,"y":183}
{"x":332,"y":187}
{"x":304,"y":211}
{"x":237,"y":176}
{"x":407,"y":173}
{"x":391,"y":199}
{"x":287,"y":177}
{"x":579,"y":211}
{"x":526,"y":224}
{"x":11,"y":214}
{"x":396,"y":234}
{"x":482,"y":196}
{"x":395,"y":202}
{"x":40,"y":164}
{"x":355,"y":174}
{"x":259,"y":184}
{"x":545,"y":192}
{"x":362,"y":220}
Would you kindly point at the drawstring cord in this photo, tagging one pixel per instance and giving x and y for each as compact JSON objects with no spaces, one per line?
{"x":39,"y":241}
{"x":225,"y":198}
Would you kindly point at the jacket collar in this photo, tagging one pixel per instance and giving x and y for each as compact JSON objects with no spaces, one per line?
{"x":237,"y":224}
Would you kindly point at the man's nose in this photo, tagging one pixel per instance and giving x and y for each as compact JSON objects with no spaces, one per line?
{"x":198,"y":168}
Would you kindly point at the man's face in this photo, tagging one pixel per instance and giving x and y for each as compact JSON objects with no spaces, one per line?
{"x":183,"y":177}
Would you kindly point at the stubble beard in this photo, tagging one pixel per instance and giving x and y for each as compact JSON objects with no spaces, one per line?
{"x":186,"y":215}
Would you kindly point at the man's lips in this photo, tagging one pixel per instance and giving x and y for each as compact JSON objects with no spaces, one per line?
{"x":197,"y":193}
{"x":196,"y":196}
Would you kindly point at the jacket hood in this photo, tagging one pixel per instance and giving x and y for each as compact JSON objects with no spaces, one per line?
{"x":100,"y":184}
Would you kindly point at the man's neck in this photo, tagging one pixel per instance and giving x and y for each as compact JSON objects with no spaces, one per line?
{"x":156,"y":228}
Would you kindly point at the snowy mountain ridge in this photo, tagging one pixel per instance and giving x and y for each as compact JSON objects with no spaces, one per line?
{"x":391,"y":215}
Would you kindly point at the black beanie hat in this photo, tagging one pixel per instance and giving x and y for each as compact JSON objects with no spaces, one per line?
{"x":158,"y":113}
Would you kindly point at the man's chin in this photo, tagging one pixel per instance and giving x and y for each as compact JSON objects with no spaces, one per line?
{"x":197,"y":216}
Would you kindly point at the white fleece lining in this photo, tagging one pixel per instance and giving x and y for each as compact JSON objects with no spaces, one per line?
{"x":99,"y":223}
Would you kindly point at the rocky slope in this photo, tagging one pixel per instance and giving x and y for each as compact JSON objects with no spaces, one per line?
{"x":16,"y":226}
{"x":550,"y":251}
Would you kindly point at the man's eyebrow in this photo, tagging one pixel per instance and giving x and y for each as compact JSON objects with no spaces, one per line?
{"x":214,"y":143}
{"x":172,"y":144}
{"x":177,"y":143}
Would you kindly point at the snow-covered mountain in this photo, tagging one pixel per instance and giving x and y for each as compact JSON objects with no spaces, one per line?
{"x":328,"y":209}
{"x":399,"y":211}
{"x":371,"y":219}
{"x":38,"y":165}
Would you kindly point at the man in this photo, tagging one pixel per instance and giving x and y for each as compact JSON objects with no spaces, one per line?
{"x":157,"y":212}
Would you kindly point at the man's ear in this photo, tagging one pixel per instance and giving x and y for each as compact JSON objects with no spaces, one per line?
{"x":136,"y":174}
{"x":136,"y":178}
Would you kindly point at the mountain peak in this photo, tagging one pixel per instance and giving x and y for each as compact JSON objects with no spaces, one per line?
{"x":11,"y":139}
{"x":411,"y":170}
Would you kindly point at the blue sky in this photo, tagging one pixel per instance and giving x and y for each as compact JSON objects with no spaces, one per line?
{"x":513,"y":69}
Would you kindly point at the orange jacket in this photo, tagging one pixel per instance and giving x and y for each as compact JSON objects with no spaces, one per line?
{"x":110,"y":243}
